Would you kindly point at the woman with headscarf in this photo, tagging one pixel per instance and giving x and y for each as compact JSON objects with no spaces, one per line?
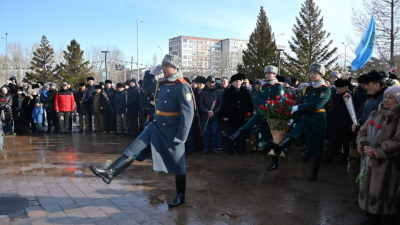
{"x":379,"y":194}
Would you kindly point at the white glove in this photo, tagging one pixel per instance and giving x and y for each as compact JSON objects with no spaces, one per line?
{"x":290,"y":122}
{"x":178,"y":141}
{"x":156,"y":70}
{"x":294,"y":109}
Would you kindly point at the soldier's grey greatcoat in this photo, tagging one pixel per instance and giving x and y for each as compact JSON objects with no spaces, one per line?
{"x":173,"y":118}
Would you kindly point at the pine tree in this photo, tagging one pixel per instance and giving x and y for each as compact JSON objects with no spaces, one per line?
{"x":75,"y":69}
{"x":309,"y":42}
{"x":42,"y":64}
{"x":260,"y":49}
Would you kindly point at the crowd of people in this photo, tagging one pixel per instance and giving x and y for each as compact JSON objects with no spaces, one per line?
{"x":226,"y":114}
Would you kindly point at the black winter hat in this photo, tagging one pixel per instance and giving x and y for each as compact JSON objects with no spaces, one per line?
{"x":101,"y":83}
{"x":35,"y":86}
{"x":133,"y":80}
{"x":90,"y":78}
{"x":37,"y":100}
{"x":81,"y":84}
{"x":341,"y":83}
{"x":211,"y":78}
{"x":108,"y":82}
{"x":258,"y":81}
{"x":201,"y":79}
{"x":375,"y":75}
{"x":280,"y":78}
{"x":237,"y":76}
{"x":361,"y":79}
{"x":120,"y":85}
{"x":293,"y":80}
{"x":98,"y":87}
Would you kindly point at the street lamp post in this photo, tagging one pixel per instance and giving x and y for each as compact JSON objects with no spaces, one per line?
{"x":8,"y":72}
{"x":137,"y":33}
{"x":105,"y":61}
{"x":345,"y":48}
{"x":160,"y":53}
{"x":279,"y":50}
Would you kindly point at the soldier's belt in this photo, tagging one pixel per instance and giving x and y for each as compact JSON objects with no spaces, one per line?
{"x":319,"y":111}
{"x":158,"y":112}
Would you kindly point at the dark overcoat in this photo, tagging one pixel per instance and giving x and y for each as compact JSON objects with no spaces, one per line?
{"x":340,"y":121}
{"x":310,"y":127}
{"x":236,"y":105}
{"x":174,"y":98}
{"x":257,"y":122}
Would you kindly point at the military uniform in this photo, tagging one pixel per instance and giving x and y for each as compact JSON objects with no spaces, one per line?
{"x":257,"y":122}
{"x":310,"y":126}
{"x":165,"y":136}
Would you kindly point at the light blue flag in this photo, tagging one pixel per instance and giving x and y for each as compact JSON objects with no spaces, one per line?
{"x":365,"y":47}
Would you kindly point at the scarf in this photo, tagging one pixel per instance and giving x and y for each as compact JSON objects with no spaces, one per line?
{"x":271,"y":82}
{"x":172,"y":78}
{"x":316,"y":84}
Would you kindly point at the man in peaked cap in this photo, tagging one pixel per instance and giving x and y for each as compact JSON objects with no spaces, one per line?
{"x":257,"y":124}
{"x":329,"y":105}
{"x":311,"y":123}
{"x":166,"y":135}
{"x":197,"y":129}
{"x":90,"y":91}
{"x":107,"y":102}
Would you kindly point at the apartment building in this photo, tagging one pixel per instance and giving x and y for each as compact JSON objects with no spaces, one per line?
{"x":206,"y":56}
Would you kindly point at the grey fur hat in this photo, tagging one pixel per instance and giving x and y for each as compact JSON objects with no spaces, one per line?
{"x":318,"y":67}
{"x":173,"y":60}
{"x":271,"y":69}
{"x":335,"y":74}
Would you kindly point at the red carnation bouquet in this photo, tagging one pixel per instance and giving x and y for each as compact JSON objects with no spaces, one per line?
{"x":372,"y":135}
{"x":278,"y":115}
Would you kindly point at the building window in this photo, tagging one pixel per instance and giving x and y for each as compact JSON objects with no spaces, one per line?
{"x":185,"y":57}
{"x":184,"y":46}
{"x":185,"y":40}
{"x":190,"y":46}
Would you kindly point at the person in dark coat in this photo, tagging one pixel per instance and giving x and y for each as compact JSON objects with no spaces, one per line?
{"x":148,"y":111}
{"x":210,"y":104}
{"x":6,"y":101}
{"x":197,"y":127}
{"x":236,"y":104}
{"x":311,"y":122}
{"x":340,"y":133}
{"x":133,"y":108}
{"x":12,"y":85}
{"x":52,"y":119}
{"x":32,"y":96}
{"x":82,"y":101}
{"x":120,"y":109}
{"x":20,"y":103}
{"x":107,"y":101}
{"x":166,"y":135}
{"x":91,"y":90}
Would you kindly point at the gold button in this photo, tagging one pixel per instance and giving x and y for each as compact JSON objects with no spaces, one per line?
{"x":304,"y":116}
{"x":165,"y":101}
{"x":167,"y":90}
{"x":306,"y":95}
{"x":154,"y":120}
{"x":268,"y":97}
{"x":159,"y":89}
{"x":156,"y":99}
{"x":238,"y":101}
{"x":314,"y":94}
{"x":163,"y":124}
{"x":269,"y":90}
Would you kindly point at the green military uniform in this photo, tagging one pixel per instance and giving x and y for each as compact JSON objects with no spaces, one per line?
{"x":310,"y":126}
{"x":257,"y":122}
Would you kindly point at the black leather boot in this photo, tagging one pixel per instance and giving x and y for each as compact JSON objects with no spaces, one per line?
{"x":119,"y":165}
{"x":314,"y":174}
{"x":282,"y":145}
{"x":180,"y":182}
{"x":275,"y":164}
{"x":234,"y":137}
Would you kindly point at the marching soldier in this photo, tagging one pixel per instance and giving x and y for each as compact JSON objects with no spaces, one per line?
{"x":257,"y":124}
{"x":166,"y":135}
{"x":311,"y":123}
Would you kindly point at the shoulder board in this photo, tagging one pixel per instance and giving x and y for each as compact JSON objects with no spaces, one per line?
{"x":276,"y":84}
{"x":266,"y":85}
{"x":181,"y":80}
{"x":325,"y":85}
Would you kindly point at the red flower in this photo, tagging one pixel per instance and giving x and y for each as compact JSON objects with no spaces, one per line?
{"x":285,"y":95}
{"x":266,"y":108}
{"x":277,"y":97}
{"x":270,"y":102}
{"x":283,"y":107}
{"x":379,"y":126}
{"x":288,"y":96}
{"x":279,"y":111}
{"x":287,"y":113}
{"x":290,"y":102}
{"x":248,"y":115}
{"x":261,"y":107}
{"x":276,"y":102}
{"x":148,"y":116}
{"x":372,"y":123}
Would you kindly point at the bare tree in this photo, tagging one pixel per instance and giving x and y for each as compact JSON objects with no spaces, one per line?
{"x":387,"y":26}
